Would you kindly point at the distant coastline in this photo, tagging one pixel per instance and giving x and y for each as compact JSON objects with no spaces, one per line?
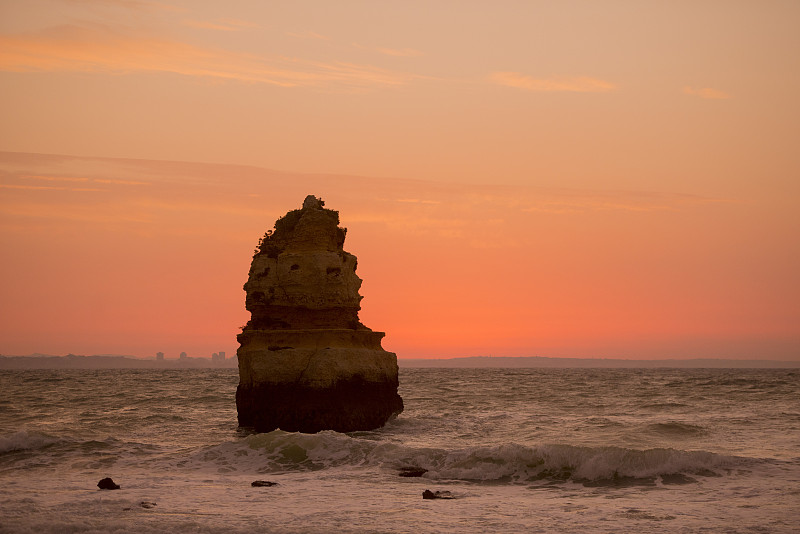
{"x":541,"y":362}
{"x":113,"y":361}
{"x":110,"y":361}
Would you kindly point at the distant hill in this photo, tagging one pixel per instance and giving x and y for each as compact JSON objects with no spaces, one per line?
{"x":110,"y":361}
{"x":543,"y":362}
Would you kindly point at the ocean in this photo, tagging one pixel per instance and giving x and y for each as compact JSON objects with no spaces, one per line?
{"x":518,"y":450}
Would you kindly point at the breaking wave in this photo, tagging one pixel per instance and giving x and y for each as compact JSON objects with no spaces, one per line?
{"x":24,"y":441}
{"x":278,"y":451}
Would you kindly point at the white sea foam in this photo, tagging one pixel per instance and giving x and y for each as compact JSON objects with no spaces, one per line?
{"x":278,"y":452}
{"x":23,"y":440}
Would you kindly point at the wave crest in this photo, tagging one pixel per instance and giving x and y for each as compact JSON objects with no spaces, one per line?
{"x":281,"y":451}
{"x":565,"y":462}
{"x":23,"y":441}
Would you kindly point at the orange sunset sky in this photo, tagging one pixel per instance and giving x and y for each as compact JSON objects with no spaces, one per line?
{"x":520,"y":178}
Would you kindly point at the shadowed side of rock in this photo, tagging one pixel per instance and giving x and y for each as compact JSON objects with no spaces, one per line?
{"x":306,"y":363}
{"x":350,"y":405}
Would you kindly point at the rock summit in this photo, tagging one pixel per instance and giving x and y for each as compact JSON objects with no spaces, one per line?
{"x":306,"y":363}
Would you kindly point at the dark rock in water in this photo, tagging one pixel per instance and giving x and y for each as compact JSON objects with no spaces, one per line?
{"x":107,"y":484}
{"x":428,"y":494}
{"x":412,"y":471}
{"x":306,"y":363}
{"x":618,"y":481}
{"x":263,"y":484}
{"x":147,"y":504}
{"x":677,"y":478}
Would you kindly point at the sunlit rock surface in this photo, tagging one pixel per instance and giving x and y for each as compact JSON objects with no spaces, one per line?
{"x":306,"y":363}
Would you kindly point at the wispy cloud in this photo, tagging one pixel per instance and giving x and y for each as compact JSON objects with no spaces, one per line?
{"x":119,"y":182}
{"x":220,"y":25}
{"x":112,"y":181}
{"x":706,"y":92}
{"x":99,"y":48}
{"x":404,"y":52}
{"x":566,"y":201}
{"x":70,"y":211}
{"x":307,"y":35}
{"x":54,"y":178}
{"x":480,"y":216}
{"x":127,"y":4}
{"x":575,"y":84}
{"x":48,"y":187}
{"x":418,"y":201}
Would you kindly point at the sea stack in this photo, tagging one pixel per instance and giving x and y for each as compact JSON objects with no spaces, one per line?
{"x":306,"y":363}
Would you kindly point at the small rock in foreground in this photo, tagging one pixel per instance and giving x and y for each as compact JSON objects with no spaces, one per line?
{"x":108,"y":484}
{"x":147,"y":504}
{"x":263,"y":484}
{"x":428,"y":494}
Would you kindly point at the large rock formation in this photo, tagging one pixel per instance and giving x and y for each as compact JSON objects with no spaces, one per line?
{"x":306,"y":363}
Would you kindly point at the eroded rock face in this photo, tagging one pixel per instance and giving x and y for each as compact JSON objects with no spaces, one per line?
{"x":306,"y":363}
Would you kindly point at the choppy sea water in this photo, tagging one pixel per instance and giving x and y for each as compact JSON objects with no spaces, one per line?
{"x":522,"y":450}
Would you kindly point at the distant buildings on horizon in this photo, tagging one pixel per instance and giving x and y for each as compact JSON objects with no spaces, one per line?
{"x":215,"y":357}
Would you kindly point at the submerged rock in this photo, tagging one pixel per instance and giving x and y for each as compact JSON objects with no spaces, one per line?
{"x":412,"y":472}
{"x":428,"y":494}
{"x":263,"y":484}
{"x":107,"y":484}
{"x":677,"y":478}
{"x":306,"y":363}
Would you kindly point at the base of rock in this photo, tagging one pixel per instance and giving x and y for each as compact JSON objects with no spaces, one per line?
{"x":348,"y":406}
{"x":313,"y":380}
